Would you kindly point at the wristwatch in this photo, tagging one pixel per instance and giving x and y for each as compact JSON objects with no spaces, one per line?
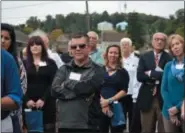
{"x":110,"y":100}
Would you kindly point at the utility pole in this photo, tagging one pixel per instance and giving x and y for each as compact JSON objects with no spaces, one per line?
{"x":87,"y":15}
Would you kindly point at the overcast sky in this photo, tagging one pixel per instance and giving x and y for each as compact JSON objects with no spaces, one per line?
{"x":16,"y":12}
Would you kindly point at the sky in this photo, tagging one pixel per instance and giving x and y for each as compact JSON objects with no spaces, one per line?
{"x":17,"y":12}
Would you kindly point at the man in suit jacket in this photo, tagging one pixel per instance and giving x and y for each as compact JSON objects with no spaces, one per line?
{"x":149,"y":72}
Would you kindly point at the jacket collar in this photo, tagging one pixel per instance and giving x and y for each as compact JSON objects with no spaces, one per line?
{"x":72,"y":64}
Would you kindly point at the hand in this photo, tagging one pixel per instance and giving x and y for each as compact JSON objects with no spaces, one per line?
{"x":175,"y":120}
{"x":182,"y":116}
{"x":105,"y":110}
{"x":31,"y":104}
{"x":104,"y":102}
{"x":154,"y":91}
{"x":148,"y":73}
{"x":172,"y":111}
{"x":39,"y":103}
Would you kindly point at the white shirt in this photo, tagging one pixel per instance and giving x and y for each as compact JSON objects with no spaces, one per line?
{"x":55,"y":57}
{"x":131,"y":64}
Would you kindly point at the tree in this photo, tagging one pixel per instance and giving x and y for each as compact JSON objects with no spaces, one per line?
{"x":160,"y":25}
{"x":180,"y":15}
{"x":119,"y":28}
{"x":55,"y":34}
{"x":95,"y":19}
{"x":27,"y":30}
{"x":180,"y":30}
{"x":117,"y":17}
{"x":60,"y":21}
{"x":33,"y":22}
{"x":175,"y":23}
{"x":105,"y":16}
{"x":49,"y":24}
{"x":136,"y":29}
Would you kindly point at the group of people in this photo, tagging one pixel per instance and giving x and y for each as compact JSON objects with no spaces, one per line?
{"x":84,"y":92}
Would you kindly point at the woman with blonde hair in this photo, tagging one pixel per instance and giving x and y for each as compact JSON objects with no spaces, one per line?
{"x":116,"y":80}
{"x":172,"y":87}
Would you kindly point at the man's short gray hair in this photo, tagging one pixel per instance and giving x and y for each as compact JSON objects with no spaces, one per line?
{"x":93,"y":32}
{"x":128,"y":40}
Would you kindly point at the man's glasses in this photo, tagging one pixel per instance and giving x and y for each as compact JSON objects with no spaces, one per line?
{"x":161,"y":39}
{"x":80,"y":46}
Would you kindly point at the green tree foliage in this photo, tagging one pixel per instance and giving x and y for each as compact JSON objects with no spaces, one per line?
{"x":180,"y":30}
{"x":33,"y":22}
{"x":55,"y":34}
{"x":136,"y":29}
{"x":175,"y":23}
{"x":139,"y":24}
{"x":27,"y":30}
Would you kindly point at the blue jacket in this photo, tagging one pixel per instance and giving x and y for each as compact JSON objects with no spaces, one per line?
{"x":172,"y":91}
{"x":10,"y":81}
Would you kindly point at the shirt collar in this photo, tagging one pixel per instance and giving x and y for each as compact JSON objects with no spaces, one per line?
{"x":131,"y":55}
{"x":159,"y":54}
{"x":94,"y":51}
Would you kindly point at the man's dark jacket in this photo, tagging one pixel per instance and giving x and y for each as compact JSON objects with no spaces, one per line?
{"x":146,"y":63}
{"x":79,"y":105}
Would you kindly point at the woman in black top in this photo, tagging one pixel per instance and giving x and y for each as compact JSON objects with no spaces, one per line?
{"x":116,"y":80}
{"x":40,"y":72}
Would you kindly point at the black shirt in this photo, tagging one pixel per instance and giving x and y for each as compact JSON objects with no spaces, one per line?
{"x":114,"y":83}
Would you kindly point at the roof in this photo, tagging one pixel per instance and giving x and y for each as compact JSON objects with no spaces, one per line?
{"x":124,"y":23}
{"x":104,"y":22}
{"x":112,"y":36}
{"x":21,"y":37}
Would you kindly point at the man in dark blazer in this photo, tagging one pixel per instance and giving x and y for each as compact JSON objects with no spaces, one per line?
{"x":149,"y":72}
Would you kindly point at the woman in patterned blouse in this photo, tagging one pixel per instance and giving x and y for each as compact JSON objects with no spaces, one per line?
{"x":8,"y":42}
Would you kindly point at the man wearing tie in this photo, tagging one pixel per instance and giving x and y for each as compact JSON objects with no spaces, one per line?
{"x":149,"y":72}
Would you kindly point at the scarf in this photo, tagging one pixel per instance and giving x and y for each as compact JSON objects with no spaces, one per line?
{"x":178,"y":73}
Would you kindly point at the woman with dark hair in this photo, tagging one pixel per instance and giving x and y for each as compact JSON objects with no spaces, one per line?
{"x":8,"y":42}
{"x":116,"y":80}
{"x":40,"y":72}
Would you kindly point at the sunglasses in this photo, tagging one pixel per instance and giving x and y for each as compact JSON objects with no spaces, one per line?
{"x":80,"y":46}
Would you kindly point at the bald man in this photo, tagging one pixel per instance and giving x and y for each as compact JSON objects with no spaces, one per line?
{"x":149,"y":73}
{"x":95,"y":53}
{"x":51,"y":54}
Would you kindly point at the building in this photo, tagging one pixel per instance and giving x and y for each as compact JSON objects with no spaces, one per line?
{"x":111,"y":37}
{"x":21,"y":40}
{"x":102,"y":26}
{"x":122,"y":25}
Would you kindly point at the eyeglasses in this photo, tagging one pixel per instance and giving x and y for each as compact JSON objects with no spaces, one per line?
{"x":161,"y":39}
{"x":80,"y":46}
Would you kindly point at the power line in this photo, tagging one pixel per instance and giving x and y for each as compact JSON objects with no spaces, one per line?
{"x":22,"y":17}
{"x":15,"y":7}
